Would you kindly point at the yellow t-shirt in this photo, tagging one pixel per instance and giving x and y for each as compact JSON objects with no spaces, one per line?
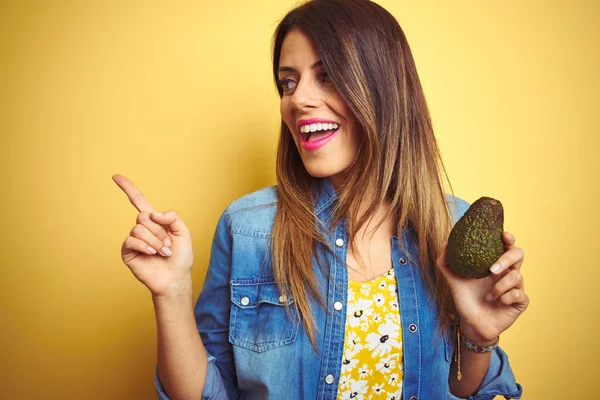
{"x":372,"y":366}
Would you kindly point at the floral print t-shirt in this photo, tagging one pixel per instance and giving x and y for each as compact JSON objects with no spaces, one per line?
{"x":372,"y":367}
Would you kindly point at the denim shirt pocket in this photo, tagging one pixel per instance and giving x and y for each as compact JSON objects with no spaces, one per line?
{"x":260,"y":320}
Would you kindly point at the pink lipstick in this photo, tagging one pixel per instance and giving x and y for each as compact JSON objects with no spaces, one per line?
{"x":316,"y":132}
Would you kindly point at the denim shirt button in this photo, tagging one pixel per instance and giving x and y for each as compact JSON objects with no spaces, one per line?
{"x":245,"y":301}
{"x":402,"y":261}
{"x":329,"y":379}
{"x":413,"y":397}
{"x":339,"y":242}
{"x":282,"y":298}
{"x":413,"y":329}
{"x":337,"y":306}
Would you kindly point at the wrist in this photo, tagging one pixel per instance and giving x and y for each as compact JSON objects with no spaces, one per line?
{"x":177,"y":291}
{"x":473,"y":336}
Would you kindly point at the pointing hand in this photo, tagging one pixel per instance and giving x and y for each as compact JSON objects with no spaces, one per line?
{"x":158,"y":250}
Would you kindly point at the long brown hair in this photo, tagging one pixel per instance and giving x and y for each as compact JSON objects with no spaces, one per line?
{"x":366,"y":55}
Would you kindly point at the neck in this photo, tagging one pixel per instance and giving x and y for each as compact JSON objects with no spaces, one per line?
{"x":381,"y":214}
{"x":381,"y":221}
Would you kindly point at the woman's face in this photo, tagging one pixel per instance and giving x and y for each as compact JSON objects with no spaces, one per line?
{"x":314,"y":111}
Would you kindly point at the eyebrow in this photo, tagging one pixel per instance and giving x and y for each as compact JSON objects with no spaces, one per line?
{"x":291,"y":69}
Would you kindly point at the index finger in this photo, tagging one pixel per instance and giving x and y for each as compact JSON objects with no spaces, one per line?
{"x":509,"y":240}
{"x":135,"y":196}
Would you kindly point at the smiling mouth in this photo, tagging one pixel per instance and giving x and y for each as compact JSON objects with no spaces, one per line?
{"x":317,"y":131}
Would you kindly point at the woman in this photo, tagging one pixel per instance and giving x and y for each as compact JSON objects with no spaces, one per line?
{"x":334,"y":283}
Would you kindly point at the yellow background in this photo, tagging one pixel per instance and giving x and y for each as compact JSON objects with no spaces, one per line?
{"x":178,"y":97}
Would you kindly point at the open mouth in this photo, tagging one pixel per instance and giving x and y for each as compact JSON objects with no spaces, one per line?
{"x":317,"y":131}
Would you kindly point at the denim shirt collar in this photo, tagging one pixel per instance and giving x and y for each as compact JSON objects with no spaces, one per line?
{"x":325,"y":195}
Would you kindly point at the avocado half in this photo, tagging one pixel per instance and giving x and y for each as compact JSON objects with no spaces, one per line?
{"x":475,"y":241}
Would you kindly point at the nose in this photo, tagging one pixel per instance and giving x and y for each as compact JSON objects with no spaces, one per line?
{"x":305,"y":96}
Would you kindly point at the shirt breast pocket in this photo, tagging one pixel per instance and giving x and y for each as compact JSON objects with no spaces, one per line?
{"x":260,"y":320}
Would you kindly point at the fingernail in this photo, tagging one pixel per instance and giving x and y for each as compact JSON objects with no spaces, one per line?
{"x":166,"y":251}
{"x":167,"y":242}
{"x":489,"y":297}
{"x":510,"y":235}
{"x":158,"y":214}
{"x":151,"y":250}
{"x":495,"y":268}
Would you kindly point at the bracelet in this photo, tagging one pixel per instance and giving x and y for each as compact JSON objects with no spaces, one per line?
{"x":477,"y":348}
{"x":469,"y":345}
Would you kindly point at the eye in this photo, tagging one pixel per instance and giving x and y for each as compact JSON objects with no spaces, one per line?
{"x":325,"y":78}
{"x":286,"y":85}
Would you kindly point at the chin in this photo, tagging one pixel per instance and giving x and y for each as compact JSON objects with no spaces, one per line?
{"x":322,"y":171}
{"x":319,"y":174}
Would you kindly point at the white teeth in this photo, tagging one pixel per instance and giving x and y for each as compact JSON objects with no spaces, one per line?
{"x":319,"y":126}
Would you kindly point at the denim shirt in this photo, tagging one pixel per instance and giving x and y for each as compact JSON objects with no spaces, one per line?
{"x":258,"y":350}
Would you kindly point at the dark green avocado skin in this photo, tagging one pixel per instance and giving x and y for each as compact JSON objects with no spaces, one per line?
{"x":475,"y":241}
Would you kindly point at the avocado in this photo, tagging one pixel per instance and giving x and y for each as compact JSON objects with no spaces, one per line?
{"x":475,"y":241}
